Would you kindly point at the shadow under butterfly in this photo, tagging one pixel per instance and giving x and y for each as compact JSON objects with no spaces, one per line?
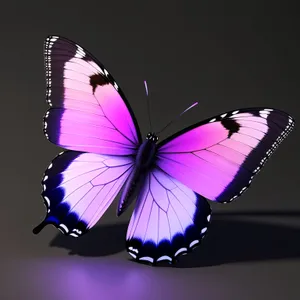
{"x":230,"y":240}
{"x":172,"y":181}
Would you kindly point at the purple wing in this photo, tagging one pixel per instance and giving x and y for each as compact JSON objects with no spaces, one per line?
{"x":89,"y":111}
{"x":79,"y":187}
{"x":219,"y":157}
{"x":169,"y":220}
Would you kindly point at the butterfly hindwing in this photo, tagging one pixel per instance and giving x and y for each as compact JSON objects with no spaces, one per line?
{"x":89,"y":111}
{"x":169,"y":220}
{"x":79,"y":187}
{"x":219,"y":157}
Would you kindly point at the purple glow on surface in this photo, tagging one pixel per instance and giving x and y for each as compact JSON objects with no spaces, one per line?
{"x":77,"y":278}
{"x":111,"y":278}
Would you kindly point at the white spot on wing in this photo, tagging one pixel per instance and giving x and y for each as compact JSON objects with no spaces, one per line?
{"x":264,"y":114}
{"x":164,"y":257}
{"x":193,"y":243}
{"x":77,"y":231}
{"x":63,"y":226}
{"x":180,"y":251}
{"x":235,"y":112}
{"x":133,"y":255}
{"x":47,"y":54}
{"x":212,"y":120}
{"x":47,"y":201}
{"x":147,"y":258}
{"x":244,"y":188}
{"x":203,"y":230}
{"x":135,"y":250}
{"x":79,"y":52}
{"x":116,"y":86}
{"x":52,"y":38}
{"x":73,"y":234}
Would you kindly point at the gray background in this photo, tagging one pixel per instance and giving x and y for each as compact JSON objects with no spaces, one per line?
{"x":224,"y":54}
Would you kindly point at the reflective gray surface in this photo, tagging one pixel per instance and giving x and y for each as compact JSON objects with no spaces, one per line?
{"x":224,"y":54}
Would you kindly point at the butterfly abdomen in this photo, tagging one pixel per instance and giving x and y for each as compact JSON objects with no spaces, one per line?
{"x":146,"y":155}
{"x":130,"y":190}
{"x":144,"y":162}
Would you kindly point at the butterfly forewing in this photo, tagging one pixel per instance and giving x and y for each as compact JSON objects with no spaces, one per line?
{"x":89,"y":110}
{"x":219,"y":157}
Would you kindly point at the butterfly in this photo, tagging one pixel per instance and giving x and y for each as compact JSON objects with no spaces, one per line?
{"x":171,"y":181}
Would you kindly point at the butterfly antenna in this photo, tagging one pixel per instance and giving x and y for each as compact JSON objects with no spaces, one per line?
{"x":148,"y":104}
{"x":175,"y":119}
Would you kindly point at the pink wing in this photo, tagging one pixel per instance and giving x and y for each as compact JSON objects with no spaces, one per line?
{"x":219,"y":157}
{"x":169,"y":220}
{"x":89,"y":111}
{"x":79,"y":187}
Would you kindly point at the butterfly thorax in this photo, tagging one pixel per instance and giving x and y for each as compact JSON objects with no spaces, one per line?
{"x":146,"y":153}
{"x":144,"y":162}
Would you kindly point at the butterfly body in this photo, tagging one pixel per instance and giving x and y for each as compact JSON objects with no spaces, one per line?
{"x":144,"y":162}
{"x":172,"y":181}
{"x":146,"y":153}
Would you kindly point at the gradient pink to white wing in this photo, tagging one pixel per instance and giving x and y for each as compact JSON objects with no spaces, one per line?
{"x":219,"y":157}
{"x":169,"y":219}
{"x":79,"y":187}
{"x":89,"y":111}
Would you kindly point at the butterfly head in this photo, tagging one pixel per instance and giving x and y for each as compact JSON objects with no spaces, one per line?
{"x":152,"y":137}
